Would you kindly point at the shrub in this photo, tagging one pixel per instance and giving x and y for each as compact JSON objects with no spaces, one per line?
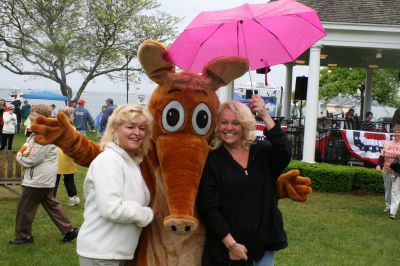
{"x":339,"y":178}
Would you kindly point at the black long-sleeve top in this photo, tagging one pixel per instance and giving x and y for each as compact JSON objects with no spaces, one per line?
{"x":243,"y":202}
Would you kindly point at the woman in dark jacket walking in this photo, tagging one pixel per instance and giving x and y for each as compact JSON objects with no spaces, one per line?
{"x":238,"y":197}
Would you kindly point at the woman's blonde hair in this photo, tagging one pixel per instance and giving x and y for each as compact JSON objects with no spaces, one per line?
{"x":246,"y":119}
{"x":41,"y":109}
{"x":128,"y":114}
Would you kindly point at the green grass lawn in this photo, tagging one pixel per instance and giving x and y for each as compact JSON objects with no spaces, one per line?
{"x":329,"y":229}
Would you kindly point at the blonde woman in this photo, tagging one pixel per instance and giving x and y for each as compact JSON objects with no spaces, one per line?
{"x":237,"y":198}
{"x":67,"y":167}
{"x":117,"y":198}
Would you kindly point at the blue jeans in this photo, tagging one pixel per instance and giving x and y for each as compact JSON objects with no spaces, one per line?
{"x":266,"y":260}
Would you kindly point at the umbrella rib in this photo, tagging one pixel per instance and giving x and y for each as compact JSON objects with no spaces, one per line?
{"x":244,"y":39}
{"x":276,"y":37}
{"x":208,"y":37}
{"x":315,"y":26}
{"x":237,"y":37}
{"x":245,"y":48}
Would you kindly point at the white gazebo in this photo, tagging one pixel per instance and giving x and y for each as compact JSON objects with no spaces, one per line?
{"x":360,"y":33}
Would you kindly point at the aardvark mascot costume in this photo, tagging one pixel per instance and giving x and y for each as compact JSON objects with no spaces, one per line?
{"x":184,"y":108}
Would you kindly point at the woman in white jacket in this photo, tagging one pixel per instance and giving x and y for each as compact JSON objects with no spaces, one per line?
{"x":116,"y":194}
{"x":10,"y":121}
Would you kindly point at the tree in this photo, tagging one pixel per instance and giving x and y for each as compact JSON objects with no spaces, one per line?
{"x":56,"y":38}
{"x":346,"y":81}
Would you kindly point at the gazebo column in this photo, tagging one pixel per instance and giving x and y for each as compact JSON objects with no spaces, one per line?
{"x":287,"y":93}
{"x":225,"y":93}
{"x":368,"y":92}
{"x":311,"y":112}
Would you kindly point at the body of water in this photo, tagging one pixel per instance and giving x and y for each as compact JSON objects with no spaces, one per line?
{"x":94,"y":100}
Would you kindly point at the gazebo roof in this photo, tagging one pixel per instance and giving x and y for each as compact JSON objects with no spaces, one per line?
{"x":385,"y":12}
{"x":361,"y":33}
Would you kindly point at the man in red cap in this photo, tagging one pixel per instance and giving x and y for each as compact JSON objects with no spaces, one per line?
{"x":83,"y":118}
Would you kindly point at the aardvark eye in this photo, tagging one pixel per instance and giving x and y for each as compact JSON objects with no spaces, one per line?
{"x":201,"y":119}
{"x":173,"y":116}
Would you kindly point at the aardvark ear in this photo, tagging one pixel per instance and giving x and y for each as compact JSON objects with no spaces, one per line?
{"x":223,"y":70}
{"x":151,"y":57}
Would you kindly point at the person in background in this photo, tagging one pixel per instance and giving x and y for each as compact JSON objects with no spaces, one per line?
{"x":17,"y":112}
{"x":116,"y":193}
{"x":351,"y":121}
{"x":40,"y":162}
{"x":9,"y":128}
{"x":25,"y":111}
{"x":396,"y":118}
{"x":73,"y":104}
{"x":367,"y":124}
{"x":53,"y":110}
{"x":97,"y":120}
{"x":3,"y":108}
{"x":237,"y":198}
{"x":110,"y":109}
{"x":67,"y":167}
{"x":83,"y":118}
{"x":391,"y":179}
{"x":27,"y":125}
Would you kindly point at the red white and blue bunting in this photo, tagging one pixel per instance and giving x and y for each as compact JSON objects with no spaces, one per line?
{"x":364,"y":145}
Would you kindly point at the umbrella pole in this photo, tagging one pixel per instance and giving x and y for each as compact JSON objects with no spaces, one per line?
{"x":251,"y":82}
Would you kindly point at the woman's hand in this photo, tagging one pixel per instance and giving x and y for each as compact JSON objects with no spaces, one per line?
{"x":378,"y":168}
{"x":257,"y":105}
{"x":238,"y":253}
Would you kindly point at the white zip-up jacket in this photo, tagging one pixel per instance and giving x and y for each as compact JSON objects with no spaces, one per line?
{"x":40,"y":165}
{"x":115,"y":209}
{"x":9,"y":124}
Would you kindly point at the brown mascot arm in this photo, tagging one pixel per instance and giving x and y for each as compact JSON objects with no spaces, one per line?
{"x":292,"y":185}
{"x":62,"y":133}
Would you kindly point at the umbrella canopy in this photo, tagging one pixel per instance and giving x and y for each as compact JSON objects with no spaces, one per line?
{"x":267,"y":34}
{"x":45,"y":95}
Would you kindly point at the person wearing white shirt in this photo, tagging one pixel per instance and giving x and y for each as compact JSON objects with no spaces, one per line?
{"x":10,"y":122}
{"x":117,"y":198}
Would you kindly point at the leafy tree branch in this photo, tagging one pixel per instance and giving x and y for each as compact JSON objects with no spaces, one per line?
{"x":56,"y":38}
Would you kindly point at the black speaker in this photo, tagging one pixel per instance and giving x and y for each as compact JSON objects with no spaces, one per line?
{"x":300,"y":92}
{"x":250,"y":92}
{"x":263,"y":70}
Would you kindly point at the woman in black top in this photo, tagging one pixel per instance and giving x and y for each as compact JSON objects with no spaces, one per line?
{"x":351,"y":121}
{"x":238,"y":197}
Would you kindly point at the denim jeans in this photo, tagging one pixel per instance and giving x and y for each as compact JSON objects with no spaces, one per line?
{"x":266,"y":260}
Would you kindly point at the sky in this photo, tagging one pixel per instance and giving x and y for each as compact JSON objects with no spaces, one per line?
{"x":185,"y":9}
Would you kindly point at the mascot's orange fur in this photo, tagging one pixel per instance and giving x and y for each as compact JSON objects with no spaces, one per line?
{"x":184,"y":107}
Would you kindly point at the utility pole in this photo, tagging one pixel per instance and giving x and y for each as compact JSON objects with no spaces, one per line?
{"x":127,"y":76}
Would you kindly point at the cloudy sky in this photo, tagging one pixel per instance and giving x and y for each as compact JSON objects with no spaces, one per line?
{"x":181,"y":8}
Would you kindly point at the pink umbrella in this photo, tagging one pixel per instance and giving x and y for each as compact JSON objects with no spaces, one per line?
{"x":267,"y":34}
